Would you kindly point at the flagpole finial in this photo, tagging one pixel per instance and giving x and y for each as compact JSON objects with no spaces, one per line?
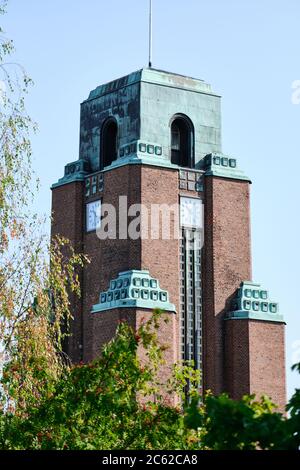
{"x":150,"y":34}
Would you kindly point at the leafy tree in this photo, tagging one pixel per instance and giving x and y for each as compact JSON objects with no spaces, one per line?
{"x":30,"y":291}
{"x":108,"y":404}
{"x":105,"y":404}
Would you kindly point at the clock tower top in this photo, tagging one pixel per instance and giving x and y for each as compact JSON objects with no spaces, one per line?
{"x":139,"y":108}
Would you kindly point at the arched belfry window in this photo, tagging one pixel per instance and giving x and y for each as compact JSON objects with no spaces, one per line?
{"x":182,"y":141}
{"x":109,"y":136}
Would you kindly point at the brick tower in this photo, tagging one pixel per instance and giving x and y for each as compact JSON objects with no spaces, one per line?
{"x":152,"y":139}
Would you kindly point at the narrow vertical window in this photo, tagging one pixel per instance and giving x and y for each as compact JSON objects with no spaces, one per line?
{"x":109,"y":137}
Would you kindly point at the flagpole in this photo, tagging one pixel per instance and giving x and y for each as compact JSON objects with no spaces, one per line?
{"x":150,"y":34}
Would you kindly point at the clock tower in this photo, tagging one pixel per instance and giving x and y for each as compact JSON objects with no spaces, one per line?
{"x":163,"y":215}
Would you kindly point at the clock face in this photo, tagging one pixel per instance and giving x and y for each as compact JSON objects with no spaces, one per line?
{"x":191,"y":214}
{"x":93,"y":215}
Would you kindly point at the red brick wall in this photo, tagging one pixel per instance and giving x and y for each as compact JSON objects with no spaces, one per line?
{"x":165,"y":335}
{"x":237,"y":366}
{"x":255,"y":359}
{"x":108,"y":257}
{"x":267,"y":360}
{"x":226,"y":262}
{"x":145,"y":185}
{"x":67,"y":213}
{"x":161,"y":257}
{"x":106,"y":324}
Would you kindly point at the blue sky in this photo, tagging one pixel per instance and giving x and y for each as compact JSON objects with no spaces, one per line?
{"x":248,"y":50}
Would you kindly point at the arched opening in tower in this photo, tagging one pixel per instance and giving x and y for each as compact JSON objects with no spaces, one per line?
{"x":182,"y":137}
{"x":109,"y":143}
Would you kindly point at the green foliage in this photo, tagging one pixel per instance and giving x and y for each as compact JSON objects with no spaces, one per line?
{"x":16,"y":183}
{"x":36,"y":278}
{"x":239,"y":425}
{"x":21,"y":242}
{"x":108,"y":404}
{"x":34,"y":344}
{"x":105,"y":404}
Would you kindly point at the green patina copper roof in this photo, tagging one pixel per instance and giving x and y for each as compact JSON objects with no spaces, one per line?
{"x":253,"y":302}
{"x":224,"y":166}
{"x":143,"y":104}
{"x":154,"y":76}
{"x":74,"y":171}
{"x":134,"y":289}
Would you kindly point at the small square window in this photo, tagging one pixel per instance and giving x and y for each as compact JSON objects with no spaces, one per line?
{"x":145,"y":294}
{"x":142,"y":148}
{"x":124,"y":293}
{"x":225,"y":161}
{"x":255,"y":294}
{"x":137,"y":281}
{"x":135,"y":293}
{"x":191,"y":176}
{"x":273,"y":308}
{"x":263,"y":294}
{"x":199,"y":186}
{"x":154,"y":295}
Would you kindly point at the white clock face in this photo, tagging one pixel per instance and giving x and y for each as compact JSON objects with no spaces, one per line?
{"x":93,"y":215}
{"x":191,"y":212}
